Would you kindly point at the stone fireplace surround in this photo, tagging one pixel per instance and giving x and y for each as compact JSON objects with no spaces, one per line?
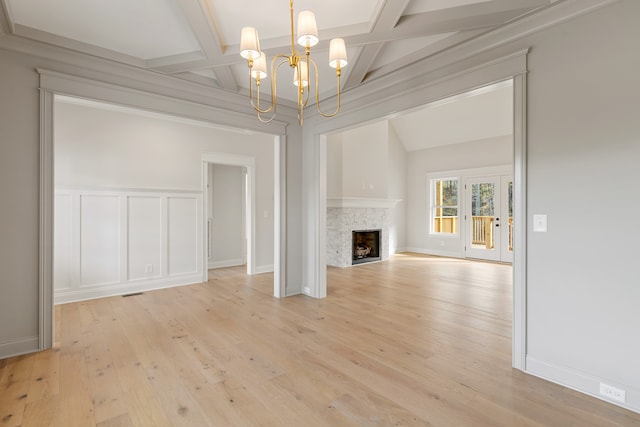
{"x":346,"y":215}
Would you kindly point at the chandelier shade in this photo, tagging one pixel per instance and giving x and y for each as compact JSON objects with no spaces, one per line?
{"x":337,"y":53}
{"x":249,"y":43}
{"x":301,"y":62}
{"x":307,"y":29}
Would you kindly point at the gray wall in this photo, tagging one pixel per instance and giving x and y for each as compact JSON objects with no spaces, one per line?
{"x":228,"y":220}
{"x":583,"y":150}
{"x":19,"y":133}
{"x":583,"y":146}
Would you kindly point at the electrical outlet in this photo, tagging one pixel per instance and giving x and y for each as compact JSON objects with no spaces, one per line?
{"x":148,"y":269}
{"x":307,"y":290}
{"x":613,"y":393}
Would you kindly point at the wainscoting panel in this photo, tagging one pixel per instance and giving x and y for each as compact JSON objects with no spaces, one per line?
{"x":99,"y":240}
{"x":145,"y":237}
{"x":63,"y":241}
{"x":183,"y":236}
{"x":118,"y":242}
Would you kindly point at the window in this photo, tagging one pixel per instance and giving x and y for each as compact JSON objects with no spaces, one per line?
{"x":444,"y":205}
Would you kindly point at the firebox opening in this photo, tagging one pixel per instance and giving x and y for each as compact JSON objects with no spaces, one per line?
{"x":366,"y":246}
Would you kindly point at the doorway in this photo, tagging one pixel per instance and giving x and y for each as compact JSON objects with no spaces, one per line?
{"x":227,"y":227}
{"x":489,"y":218}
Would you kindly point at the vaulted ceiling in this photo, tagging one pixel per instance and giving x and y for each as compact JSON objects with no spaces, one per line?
{"x":199,"y":40}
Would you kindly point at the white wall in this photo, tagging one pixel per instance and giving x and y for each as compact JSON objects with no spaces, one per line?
{"x":133,"y":160}
{"x":369,"y":162}
{"x":227,"y":193}
{"x":469,"y":155}
{"x":364,"y":161}
{"x":397,"y":190}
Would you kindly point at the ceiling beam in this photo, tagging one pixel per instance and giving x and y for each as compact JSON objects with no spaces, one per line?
{"x":462,"y":18}
{"x":425,"y":52}
{"x":204,"y":29}
{"x":6,"y":24}
{"x":389,"y":15}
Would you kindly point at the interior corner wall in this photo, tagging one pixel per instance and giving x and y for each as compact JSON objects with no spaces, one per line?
{"x":334,"y":165}
{"x":583,"y":148}
{"x":467,"y":155}
{"x":397,"y":190}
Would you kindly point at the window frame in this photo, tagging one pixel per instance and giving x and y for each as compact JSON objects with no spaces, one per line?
{"x":432,"y":184}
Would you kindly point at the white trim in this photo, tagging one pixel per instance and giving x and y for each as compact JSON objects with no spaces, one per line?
{"x":45,"y":245}
{"x":225,"y":263}
{"x":86,"y":293}
{"x":423,"y":251}
{"x":248,"y":162}
{"x":519,"y":323}
{"x":280,"y":216}
{"x":264,"y":269}
{"x":582,"y":382}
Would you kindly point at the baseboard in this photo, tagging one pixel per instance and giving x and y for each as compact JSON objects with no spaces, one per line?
{"x":18,"y":347}
{"x":424,"y":251}
{"x":264,"y":269}
{"x":225,"y":263}
{"x":582,"y":382}
{"x":73,"y":295}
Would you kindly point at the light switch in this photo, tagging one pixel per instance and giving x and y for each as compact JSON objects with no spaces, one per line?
{"x":540,"y":223}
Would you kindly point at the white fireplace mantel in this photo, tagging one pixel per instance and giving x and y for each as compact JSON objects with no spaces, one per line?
{"x":361,"y":202}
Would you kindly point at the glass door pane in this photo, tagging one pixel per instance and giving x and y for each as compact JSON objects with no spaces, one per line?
{"x":483,"y":219}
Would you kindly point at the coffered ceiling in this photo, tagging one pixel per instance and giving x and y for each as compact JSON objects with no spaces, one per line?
{"x":198,"y":40}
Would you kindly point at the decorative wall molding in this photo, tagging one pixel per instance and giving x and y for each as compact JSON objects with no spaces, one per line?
{"x":117,"y":242}
{"x":225,"y":263}
{"x":361,"y":202}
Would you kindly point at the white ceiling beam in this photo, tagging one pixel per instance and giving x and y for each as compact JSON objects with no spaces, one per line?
{"x":6,"y":24}
{"x":204,"y":29}
{"x":388,"y":17}
{"x":425,"y":52}
{"x":463,"y":18}
{"x":432,"y":23}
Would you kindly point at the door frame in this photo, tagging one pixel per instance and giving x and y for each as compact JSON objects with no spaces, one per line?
{"x":249,"y":163}
{"x":54,"y":83}
{"x":501,"y":206}
{"x":358,"y":112}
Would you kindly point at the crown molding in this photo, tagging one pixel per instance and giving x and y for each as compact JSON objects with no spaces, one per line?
{"x":361,"y":202}
{"x":464,"y":56}
{"x":83,"y":65}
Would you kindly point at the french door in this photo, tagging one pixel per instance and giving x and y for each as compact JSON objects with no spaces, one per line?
{"x":489,"y":218}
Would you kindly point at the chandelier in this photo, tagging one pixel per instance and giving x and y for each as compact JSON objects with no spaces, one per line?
{"x":301,"y":63}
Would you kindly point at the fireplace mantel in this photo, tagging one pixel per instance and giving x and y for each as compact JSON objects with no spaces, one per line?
{"x":361,"y":202}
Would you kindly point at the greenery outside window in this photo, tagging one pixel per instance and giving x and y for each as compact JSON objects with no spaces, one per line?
{"x":444,"y":205}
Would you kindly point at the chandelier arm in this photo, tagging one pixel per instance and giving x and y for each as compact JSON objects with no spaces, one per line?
{"x":338,"y":73}
{"x":308,"y":59}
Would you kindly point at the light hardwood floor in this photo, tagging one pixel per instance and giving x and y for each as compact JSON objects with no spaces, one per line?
{"x":413,"y":341}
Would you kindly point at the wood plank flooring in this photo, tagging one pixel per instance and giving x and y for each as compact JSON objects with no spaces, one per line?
{"x":414,"y":341}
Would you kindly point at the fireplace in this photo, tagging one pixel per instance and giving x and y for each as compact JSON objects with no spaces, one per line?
{"x":365,"y":246}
